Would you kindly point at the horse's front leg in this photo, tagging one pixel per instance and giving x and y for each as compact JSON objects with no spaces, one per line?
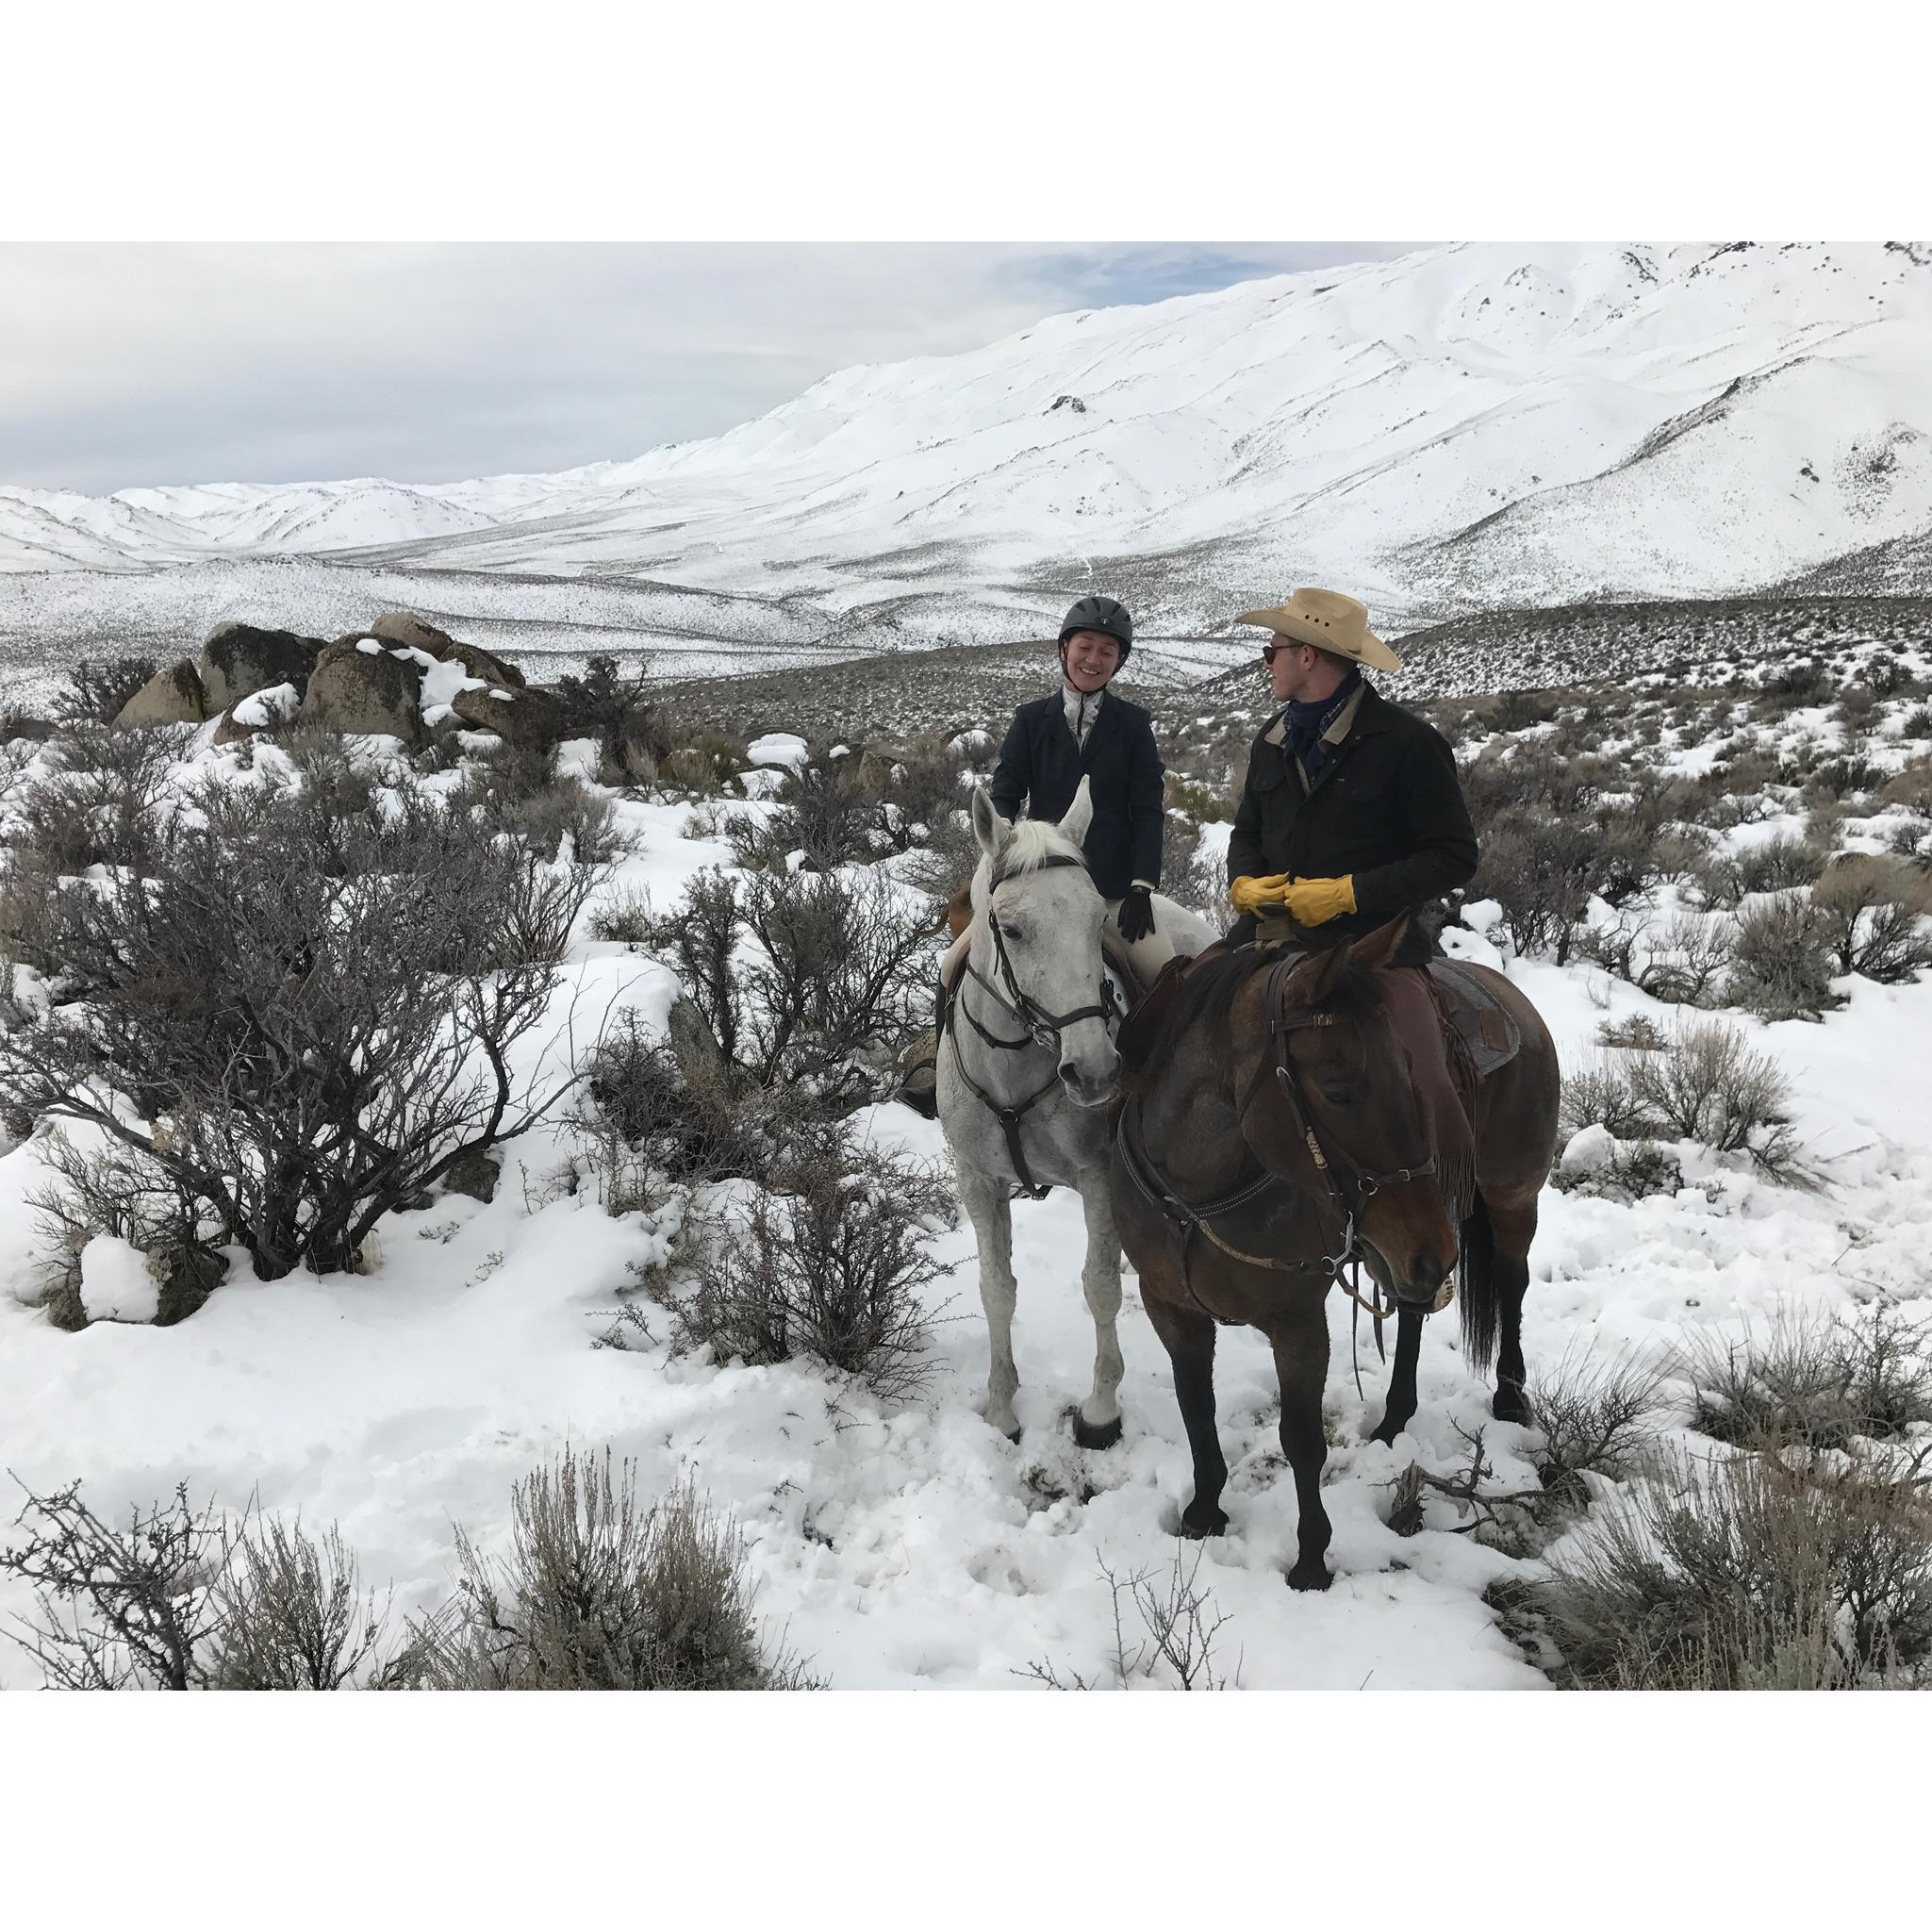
{"x":1301,"y":1342}
{"x":1189,"y":1339}
{"x":1401,"y":1407}
{"x":990,"y":1209}
{"x":1097,"y":1423}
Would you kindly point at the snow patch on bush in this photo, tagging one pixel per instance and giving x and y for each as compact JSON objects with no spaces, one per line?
{"x":116,"y":1284}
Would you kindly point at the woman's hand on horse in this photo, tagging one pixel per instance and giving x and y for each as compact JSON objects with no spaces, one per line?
{"x":1136,"y":916}
{"x":1249,"y":895}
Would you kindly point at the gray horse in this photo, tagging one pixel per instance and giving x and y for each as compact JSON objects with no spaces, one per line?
{"x":1025,"y":1074}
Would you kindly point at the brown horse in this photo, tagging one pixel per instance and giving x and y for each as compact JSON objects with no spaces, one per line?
{"x":1291,"y":1114}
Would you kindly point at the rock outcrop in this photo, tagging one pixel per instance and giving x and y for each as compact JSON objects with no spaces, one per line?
{"x":403,"y":678}
{"x":405,"y":627}
{"x":525,"y":716}
{"x":174,"y":696}
{"x":237,"y":660}
{"x":362,"y":685}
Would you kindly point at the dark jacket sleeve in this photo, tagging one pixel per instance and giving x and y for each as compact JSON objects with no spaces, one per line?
{"x":1245,"y":842}
{"x":1146,"y":804}
{"x":1012,"y":777}
{"x":1442,"y":840}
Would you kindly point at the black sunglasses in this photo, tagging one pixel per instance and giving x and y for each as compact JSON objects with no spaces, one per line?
{"x":1269,"y":651}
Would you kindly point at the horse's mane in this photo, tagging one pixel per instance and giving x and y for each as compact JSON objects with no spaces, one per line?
{"x":1207,"y":997}
{"x":1034,"y":842}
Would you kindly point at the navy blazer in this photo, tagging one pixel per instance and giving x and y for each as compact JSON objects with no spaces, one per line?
{"x":1041,"y":766}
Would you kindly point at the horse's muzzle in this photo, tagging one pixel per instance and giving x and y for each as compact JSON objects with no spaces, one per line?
{"x":1422,"y":1288}
{"x":1090,"y":1086}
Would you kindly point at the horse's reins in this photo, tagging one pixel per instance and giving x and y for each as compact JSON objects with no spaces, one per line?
{"x":1196,"y":1217}
{"x":1043,"y":1029}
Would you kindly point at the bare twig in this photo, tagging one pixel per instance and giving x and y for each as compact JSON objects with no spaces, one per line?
{"x":1180,"y":1623}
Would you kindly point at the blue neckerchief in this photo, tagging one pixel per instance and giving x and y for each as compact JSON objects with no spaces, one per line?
{"x":1306,"y":722}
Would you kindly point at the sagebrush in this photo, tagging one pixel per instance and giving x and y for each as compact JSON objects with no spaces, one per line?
{"x":598,"y":1593}
{"x":828,"y":1261}
{"x":1746,"y":1572}
{"x":298,"y":1018}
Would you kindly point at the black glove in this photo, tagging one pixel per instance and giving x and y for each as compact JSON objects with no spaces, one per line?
{"x":1136,"y":916}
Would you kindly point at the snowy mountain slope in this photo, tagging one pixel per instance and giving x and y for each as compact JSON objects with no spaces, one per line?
{"x":33,"y":537}
{"x":1468,"y":426}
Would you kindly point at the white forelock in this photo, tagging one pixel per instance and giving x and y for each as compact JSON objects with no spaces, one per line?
{"x":1034,"y":842}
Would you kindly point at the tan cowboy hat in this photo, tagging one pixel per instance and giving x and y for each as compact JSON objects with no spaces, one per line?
{"x":1329,"y":621}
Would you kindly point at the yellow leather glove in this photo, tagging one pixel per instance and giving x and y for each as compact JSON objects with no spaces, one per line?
{"x":1249,"y":895}
{"x":1315,"y":901}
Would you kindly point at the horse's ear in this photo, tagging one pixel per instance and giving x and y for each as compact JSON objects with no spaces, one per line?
{"x":1315,"y":977}
{"x":1079,"y":814}
{"x":989,"y":828}
{"x":1378,"y":948}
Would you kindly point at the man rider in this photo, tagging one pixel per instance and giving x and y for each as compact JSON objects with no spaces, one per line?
{"x":1351,"y":811}
{"x":1351,"y":814}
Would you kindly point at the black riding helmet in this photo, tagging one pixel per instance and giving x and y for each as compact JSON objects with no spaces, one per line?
{"x":1106,"y":615}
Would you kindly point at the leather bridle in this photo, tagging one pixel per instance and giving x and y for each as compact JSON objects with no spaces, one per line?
{"x":1042,"y":1029}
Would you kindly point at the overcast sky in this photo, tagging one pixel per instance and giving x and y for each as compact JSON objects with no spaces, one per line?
{"x":147,"y":363}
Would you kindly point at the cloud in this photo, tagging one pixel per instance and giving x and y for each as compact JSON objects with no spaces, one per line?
{"x":148,"y":363}
{"x":1098,"y":278}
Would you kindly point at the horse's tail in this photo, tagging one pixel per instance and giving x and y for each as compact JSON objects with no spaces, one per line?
{"x":1482,"y":1308}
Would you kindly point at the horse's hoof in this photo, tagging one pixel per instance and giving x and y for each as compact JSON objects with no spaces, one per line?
{"x":1312,"y":1573}
{"x":1196,"y":1523}
{"x":1387,"y":1433}
{"x":1511,"y":1405}
{"x":1012,"y":1435}
{"x":1096,"y":1435}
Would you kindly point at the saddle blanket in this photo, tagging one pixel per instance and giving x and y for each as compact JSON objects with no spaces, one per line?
{"x":1483,"y":1023}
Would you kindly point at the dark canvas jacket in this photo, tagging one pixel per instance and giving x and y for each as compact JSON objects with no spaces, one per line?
{"x":1041,"y":767}
{"x":1387,"y":808}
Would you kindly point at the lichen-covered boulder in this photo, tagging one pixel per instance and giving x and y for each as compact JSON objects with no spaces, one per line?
{"x":174,"y":696}
{"x":482,"y":664}
{"x":405,"y":627}
{"x":526,"y":717}
{"x":362,"y":685}
{"x":237,"y":660}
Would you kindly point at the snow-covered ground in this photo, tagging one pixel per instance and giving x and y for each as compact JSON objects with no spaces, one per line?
{"x":907,"y":1544}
